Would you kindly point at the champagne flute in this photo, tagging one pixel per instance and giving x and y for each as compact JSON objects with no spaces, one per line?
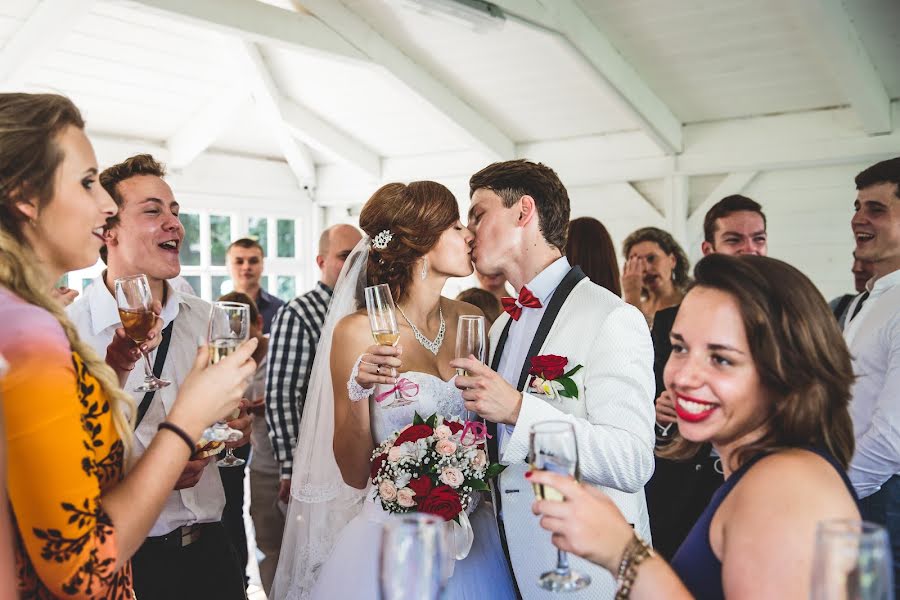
{"x":133,"y":298}
{"x":470,"y":340}
{"x":852,"y":561}
{"x":383,"y":322}
{"x":554,"y":448}
{"x":414,"y":560}
{"x":229,"y":327}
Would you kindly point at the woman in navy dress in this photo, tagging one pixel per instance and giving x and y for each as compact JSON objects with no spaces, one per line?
{"x":759,"y":369}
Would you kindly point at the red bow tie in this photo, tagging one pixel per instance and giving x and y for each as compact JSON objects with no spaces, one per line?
{"x":526,"y":300}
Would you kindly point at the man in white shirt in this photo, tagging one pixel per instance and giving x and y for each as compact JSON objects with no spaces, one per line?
{"x":872,"y":332}
{"x":187,"y":553}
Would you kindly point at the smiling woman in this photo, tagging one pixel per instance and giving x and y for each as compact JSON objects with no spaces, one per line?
{"x":760,"y":369}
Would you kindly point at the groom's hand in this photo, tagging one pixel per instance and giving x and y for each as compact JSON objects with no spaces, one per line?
{"x":486,"y":393}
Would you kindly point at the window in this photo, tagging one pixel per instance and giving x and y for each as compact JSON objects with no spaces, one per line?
{"x":286,"y":247}
{"x":287,"y":288}
{"x":258,"y":229}
{"x":190,"y":246}
{"x":219,"y":237}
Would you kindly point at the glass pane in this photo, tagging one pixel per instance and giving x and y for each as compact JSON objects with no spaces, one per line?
{"x":190,"y":247}
{"x":286,"y":287}
{"x":264,"y":282}
{"x":63,"y":281}
{"x":258,"y":229}
{"x":221,"y":285}
{"x":194,"y":280}
{"x":286,"y":238}
{"x":219,"y":237}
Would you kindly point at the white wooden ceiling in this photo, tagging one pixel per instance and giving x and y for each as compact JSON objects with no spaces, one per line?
{"x":365,"y":82}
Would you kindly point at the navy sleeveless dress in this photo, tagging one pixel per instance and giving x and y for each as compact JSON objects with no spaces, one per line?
{"x":695,"y":562}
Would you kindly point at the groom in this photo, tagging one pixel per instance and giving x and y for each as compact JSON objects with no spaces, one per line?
{"x":519,"y":215}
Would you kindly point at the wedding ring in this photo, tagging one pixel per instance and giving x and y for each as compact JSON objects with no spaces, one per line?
{"x":378,"y":369}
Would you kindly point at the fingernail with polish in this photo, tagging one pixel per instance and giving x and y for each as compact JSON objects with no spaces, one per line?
{"x":527,"y":474}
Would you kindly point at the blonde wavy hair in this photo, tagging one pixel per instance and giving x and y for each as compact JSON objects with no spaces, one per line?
{"x":30,"y":125}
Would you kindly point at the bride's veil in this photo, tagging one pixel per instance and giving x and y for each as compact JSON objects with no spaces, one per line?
{"x":321,"y":503}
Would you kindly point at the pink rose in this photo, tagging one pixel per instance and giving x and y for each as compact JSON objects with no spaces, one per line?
{"x":442,"y":432}
{"x":387,"y":491}
{"x":405,"y":498}
{"x":395,"y":454}
{"x":452,"y":477}
{"x":445,"y":447}
{"x":480,"y":460}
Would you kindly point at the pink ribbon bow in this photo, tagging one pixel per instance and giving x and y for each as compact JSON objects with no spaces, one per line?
{"x":478,"y":431}
{"x":407,"y":389}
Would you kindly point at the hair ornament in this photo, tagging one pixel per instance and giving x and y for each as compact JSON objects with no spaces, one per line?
{"x":382,"y":240}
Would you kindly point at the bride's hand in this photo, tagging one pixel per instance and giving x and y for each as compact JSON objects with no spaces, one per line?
{"x":379,"y":365}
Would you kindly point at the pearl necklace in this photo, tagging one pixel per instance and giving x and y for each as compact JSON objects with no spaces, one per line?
{"x":434,"y":346}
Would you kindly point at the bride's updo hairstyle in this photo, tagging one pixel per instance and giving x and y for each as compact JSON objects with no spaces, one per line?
{"x":415,"y":215}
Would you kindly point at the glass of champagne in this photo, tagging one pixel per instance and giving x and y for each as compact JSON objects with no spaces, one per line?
{"x":470,"y":340}
{"x":133,"y":297}
{"x":852,"y":561}
{"x":229,"y":327}
{"x":414,"y":560}
{"x":554,"y":449}
{"x":383,"y":321}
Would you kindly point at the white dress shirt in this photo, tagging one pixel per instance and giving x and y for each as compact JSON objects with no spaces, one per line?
{"x":96,"y":317}
{"x":522,"y":332}
{"x":873,"y":337}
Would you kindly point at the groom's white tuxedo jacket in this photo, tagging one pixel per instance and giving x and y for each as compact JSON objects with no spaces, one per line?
{"x":613,"y":417}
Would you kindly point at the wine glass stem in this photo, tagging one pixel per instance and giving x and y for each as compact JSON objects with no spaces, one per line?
{"x":562,"y":563}
{"x":148,"y":368}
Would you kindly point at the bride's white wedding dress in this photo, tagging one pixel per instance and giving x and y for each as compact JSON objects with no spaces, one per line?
{"x":351,"y":570}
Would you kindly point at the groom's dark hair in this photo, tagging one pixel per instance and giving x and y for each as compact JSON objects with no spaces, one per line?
{"x":513,"y":179}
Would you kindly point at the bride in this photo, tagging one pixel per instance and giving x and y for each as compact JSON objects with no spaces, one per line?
{"x":333,"y":529}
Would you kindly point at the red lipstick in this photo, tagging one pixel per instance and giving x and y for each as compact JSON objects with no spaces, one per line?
{"x":693,"y":417}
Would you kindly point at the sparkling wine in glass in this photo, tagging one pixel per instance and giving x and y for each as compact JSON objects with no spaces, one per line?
{"x":133,"y":298}
{"x":414,"y":560}
{"x":470,"y":339}
{"x":554,"y":449}
{"x":383,"y":322}
{"x":229,"y":327}
{"x":851,"y":561}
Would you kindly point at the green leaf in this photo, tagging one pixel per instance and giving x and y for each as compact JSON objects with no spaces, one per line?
{"x":494,"y":470}
{"x":477,"y":484}
{"x":573,"y":371}
{"x":432,"y":421}
{"x":570,"y":390}
{"x":417,"y":420}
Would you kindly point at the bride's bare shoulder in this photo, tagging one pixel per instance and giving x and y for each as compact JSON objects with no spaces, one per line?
{"x":353,"y":326}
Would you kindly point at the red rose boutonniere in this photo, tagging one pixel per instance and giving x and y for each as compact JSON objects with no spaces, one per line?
{"x":549,"y":376}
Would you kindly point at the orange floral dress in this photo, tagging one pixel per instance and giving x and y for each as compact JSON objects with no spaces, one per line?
{"x":63,"y":452}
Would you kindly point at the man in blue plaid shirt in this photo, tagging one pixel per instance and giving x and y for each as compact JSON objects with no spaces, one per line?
{"x":295,"y":334}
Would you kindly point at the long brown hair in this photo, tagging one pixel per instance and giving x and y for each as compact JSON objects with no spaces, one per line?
{"x":415,"y":215}
{"x":799,"y":353}
{"x":590,"y":247}
{"x":30,"y":155}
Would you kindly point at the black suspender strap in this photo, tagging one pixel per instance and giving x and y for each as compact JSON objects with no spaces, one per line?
{"x":161,"y":353}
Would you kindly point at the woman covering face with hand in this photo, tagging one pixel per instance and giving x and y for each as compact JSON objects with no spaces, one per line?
{"x":760,"y":370}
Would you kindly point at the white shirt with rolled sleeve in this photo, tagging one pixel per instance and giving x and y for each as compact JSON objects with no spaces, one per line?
{"x":873,"y":337}
{"x":96,"y":317}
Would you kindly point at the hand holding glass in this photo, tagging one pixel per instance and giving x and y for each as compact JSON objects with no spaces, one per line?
{"x":554,"y":448}
{"x":133,"y":297}
{"x":383,"y":322}
{"x":852,"y":561}
{"x":229,"y":326}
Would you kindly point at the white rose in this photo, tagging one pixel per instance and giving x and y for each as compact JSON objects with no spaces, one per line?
{"x":402,"y":480}
{"x":445,"y":447}
{"x":387,"y":491}
{"x":395,"y":454}
{"x":405,"y":498}
{"x":442,"y":432}
{"x":452,"y":477}
{"x":479,"y":460}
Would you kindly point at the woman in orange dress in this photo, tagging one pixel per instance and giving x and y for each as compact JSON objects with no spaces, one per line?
{"x":77,"y":516}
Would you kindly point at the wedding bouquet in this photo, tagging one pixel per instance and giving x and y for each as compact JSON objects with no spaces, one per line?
{"x":433,"y":466}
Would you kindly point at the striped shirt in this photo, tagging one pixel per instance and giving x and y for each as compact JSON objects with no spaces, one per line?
{"x":295,"y":334}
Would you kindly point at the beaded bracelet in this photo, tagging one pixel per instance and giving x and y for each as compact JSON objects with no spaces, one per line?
{"x":636,"y":552}
{"x":180,"y":433}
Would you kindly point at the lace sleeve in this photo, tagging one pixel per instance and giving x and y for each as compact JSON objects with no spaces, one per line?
{"x":356,"y":391}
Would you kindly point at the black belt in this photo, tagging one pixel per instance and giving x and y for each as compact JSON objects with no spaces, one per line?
{"x":180,"y":538}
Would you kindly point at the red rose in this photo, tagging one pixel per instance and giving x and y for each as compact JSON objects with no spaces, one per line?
{"x":420,"y":487}
{"x":416,"y":432}
{"x":548,"y":366}
{"x":454,"y":426}
{"x":443,"y":501}
{"x":376,"y":464}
